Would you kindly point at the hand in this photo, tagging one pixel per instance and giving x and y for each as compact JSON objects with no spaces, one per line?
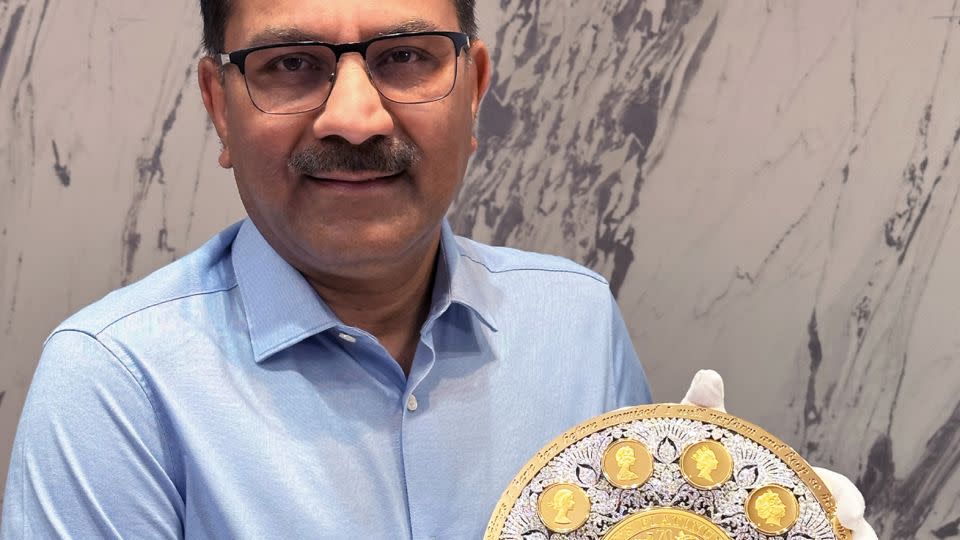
{"x":706,"y":390}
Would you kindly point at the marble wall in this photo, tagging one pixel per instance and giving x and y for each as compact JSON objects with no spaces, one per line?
{"x":770,"y":187}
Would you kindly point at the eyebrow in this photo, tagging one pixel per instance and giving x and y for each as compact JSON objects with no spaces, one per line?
{"x":272,"y":35}
{"x":413,"y":25}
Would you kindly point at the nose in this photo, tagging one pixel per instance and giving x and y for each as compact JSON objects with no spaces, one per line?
{"x":354,"y":110}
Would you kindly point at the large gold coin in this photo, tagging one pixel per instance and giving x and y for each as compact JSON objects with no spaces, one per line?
{"x":666,"y":524}
{"x":706,"y":464}
{"x":627,"y":464}
{"x":772,"y":509}
{"x":563,"y":508}
{"x":524,"y":511}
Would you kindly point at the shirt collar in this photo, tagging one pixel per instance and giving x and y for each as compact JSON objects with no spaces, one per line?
{"x":282,"y":308}
{"x":462,"y":281}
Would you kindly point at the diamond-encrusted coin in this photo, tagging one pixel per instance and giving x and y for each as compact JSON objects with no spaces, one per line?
{"x":762,"y":489}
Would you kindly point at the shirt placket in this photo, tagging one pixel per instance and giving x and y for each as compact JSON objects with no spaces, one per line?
{"x":415,"y":433}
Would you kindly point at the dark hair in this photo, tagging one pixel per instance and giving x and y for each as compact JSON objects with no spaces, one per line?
{"x":215,"y":13}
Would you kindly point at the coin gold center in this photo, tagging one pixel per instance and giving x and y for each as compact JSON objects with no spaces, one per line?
{"x":666,"y":524}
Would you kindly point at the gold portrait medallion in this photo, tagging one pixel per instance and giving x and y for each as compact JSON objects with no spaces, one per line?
{"x":563,"y":507}
{"x":666,"y":524}
{"x":627,"y":464}
{"x":772,"y":509}
{"x":706,"y":464}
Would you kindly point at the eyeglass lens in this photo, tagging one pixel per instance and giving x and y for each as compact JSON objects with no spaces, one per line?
{"x":404,"y":69}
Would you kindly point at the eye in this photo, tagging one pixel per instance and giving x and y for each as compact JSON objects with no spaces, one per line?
{"x":402,"y":56}
{"x":293,"y":64}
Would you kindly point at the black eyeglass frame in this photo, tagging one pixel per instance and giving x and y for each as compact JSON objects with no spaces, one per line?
{"x":238,"y":58}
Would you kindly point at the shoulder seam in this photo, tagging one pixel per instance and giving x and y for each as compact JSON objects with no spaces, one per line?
{"x":165,"y":438}
{"x":533,"y":269}
{"x":155,"y":304}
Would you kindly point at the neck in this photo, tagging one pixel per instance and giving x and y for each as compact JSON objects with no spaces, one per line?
{"x":391,"y":303}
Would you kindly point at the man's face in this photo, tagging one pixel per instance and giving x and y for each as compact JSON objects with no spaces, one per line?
{"x":347,"y":223}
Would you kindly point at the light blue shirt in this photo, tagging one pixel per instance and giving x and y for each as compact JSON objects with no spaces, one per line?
{"x":221,"y":398}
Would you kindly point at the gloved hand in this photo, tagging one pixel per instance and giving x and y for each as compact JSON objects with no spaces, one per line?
{"x":706,"y":390}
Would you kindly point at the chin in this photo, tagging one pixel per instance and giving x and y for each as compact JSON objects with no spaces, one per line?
{"x":370,"y":243}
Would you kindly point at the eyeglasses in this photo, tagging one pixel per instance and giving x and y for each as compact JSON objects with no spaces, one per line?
{"x":408,"y":68}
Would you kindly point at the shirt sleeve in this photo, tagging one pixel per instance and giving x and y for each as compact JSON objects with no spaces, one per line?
{"x":89,"y":459}
{"x":630,"y":386}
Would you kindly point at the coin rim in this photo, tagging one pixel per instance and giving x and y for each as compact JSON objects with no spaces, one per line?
{"x":572,"y":527}
{"x":790,"y":492}
{"x":643,"y":480}
{"x":696,"y":484}
{"x":788,"y":455}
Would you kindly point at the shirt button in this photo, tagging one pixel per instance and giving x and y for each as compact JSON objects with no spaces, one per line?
{"x":347,"y":337}
{"x":412,"y":403}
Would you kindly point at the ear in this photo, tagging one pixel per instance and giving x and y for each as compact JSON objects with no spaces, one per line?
{"x":211,"y":80}
{"x":480,"y":69}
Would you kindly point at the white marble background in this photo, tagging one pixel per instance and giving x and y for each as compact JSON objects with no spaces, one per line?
{"x":770,"y":187}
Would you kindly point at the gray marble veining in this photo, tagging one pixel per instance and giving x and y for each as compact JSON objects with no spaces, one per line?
{"x":770,"y":188}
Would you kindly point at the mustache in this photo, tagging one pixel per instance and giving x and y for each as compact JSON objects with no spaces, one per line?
{"x":335,"y":154}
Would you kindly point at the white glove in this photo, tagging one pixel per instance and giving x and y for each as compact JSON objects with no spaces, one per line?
{"x":706,"y":390}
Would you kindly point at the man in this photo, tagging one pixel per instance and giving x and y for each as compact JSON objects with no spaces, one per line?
{"x":339,"y":365}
